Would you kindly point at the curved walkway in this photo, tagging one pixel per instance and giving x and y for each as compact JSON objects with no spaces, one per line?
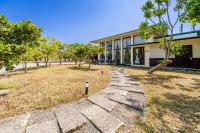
{"x":113,"y":109}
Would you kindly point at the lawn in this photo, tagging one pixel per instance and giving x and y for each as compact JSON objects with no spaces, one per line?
{"x":44,"y":88}
{"x":173,"y":101}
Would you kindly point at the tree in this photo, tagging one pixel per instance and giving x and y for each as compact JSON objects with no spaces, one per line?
{"x":191,"y":12}
{"x":70,"y":52}
{"x":48,"y":48}
{"x":82,"y":52}
{"x":26,"y":56}
{"x":91,"y":51}
{"x":157,"y":12}
{"x":36,"y":55}
{"x":14,"y":37}
{"x":61,"y":51}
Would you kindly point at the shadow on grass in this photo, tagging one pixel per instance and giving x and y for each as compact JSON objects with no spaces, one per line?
{"x":186,"y":109}
{"x":156,"y":79}
{"x":82,"y":68}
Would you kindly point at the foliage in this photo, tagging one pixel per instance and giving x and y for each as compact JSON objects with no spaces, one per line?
{"x":61,"y":50}
{"x":191,"y":12}
{"x":36,"y":55}
{"x":14,"y":37}
{"x":82,"y":52}
{"x":157,"y":13}
{"x":48,"y":48}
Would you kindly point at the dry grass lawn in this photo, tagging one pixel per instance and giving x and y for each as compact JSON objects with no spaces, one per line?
{"x":173,"y":102}
{"x":44,"y":88}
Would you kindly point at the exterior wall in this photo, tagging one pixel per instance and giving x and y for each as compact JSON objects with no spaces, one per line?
{"x":147,"y":56}
{"x":153,"y":53}
{"x":157,"y":53}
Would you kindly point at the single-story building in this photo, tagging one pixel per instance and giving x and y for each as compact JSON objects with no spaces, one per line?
{"x":129,"y":49}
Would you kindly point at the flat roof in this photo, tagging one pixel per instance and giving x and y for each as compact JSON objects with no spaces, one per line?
{"x":115,"y":36}
{"x":135,"y":31}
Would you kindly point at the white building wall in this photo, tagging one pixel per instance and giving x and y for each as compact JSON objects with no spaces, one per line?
{"x":147,"y":56}
{"x":156,"y":52}
{"x":195,"y":46}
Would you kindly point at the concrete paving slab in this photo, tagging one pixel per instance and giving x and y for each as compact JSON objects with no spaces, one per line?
{"x":102,"y":101}
{"x":44,"y":127}
{"x":135,"y":89}
{"x":16,"y":124}
{"x":41,"y":116}
{"x":103,"y":120}
{"x":110,"y":90}
{"x":127,"y":101}
{"x":69,"y":118}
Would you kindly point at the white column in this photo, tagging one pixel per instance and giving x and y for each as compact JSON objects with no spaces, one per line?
{"x":105,"y":52}
{"x":121,"y":52}
{"x":113,"y":50}
{"x":131,"y":55}
{"x":132,"y":50}
{"x":99,"y":56}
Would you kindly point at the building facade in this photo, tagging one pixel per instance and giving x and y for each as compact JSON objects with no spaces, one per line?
{"x":129,"y":49}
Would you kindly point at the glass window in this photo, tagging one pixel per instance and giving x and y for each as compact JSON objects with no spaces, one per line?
{"x":117,"y":44}
{"x":138,"y":40}
{"x":126,"y":56}
{"x":109,"y":43}
{"x":126,"y":42}
{"x":102,"y":44}
{"x":138,"y":56}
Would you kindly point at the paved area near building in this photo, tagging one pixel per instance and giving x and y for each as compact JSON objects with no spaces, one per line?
{"x":111,"y":110}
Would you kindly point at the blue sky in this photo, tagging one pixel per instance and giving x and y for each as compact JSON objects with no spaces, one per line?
{"x":79,"y":21}
{"x":76,"y":20}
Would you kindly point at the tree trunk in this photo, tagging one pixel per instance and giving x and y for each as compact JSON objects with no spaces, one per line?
{"x":89,"y":65}
{"x":38,"y":64}
{"x":79,"y":63}
{"x":159,"y":66}
{"x":46,"y":62}
{"x":25,"y":66}
{"x":60,"y":61}
{"x":156,"y":68}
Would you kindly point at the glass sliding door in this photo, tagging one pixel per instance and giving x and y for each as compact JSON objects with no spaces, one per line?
{"x":102,"y":56}
{"x":126,"y":51}
{"x":109,"y":51}
{"x":138,"y":56}
{"x":117,"y":47}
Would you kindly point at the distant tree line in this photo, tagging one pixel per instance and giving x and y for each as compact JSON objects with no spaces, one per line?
{"x":23,"y":42}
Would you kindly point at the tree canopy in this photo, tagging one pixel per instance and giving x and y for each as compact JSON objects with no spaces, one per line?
{"x":191,"y":12}
{"x":15,"y":38}
{"x":157,"y":13}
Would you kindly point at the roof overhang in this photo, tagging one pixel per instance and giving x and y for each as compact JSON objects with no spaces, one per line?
{"x":117,"y":36}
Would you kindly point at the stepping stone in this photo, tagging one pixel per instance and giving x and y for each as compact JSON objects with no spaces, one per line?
{"x":127,"y":101}
{"x":44,"y":127}
{"x":103,"y":120}
{"x":41,"y":116}
{"x":102,"y":101}
{"x":137,"y":96}
{"x":69,"y":118}
{"x":135,"y":89}
{"x":119,"y":85}
{"x":4,"y":92}
{"x":110,"y":90}
{"x":15,"y":124}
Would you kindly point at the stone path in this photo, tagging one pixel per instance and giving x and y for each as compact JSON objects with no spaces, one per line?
{"x":112,"y":110}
